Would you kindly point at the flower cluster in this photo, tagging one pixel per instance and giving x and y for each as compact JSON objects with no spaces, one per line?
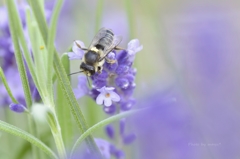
{"x":8,"y":62}
{"x":115,"y":84}
{"x":113,"y":87}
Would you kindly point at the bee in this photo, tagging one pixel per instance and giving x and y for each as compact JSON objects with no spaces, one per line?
{"x":96,"y":55}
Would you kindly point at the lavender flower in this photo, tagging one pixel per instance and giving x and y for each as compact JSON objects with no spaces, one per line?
{"x":76,"y":53}
{"x":82,"y":88}
{"x":18,"y":108}
{"x":118,"y":74}
{"x":106,"y":96}
{"x":113,"y":88}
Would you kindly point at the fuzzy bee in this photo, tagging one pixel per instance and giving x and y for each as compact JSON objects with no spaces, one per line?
{"x":96,"y":55}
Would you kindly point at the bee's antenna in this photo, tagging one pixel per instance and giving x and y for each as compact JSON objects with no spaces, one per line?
{"x":74,"y":73}
{"x":88,"y":81}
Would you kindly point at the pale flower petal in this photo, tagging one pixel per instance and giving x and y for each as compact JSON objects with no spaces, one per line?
{"x":107,"y":102}
{"x":115,"y":97}
{"x":134,"y":47}
{"x":74,"y":56}
{"x":77,"y":53}
{"x":109,"y":88}
{"x":100,"y":98}
{"x":107,"y":95}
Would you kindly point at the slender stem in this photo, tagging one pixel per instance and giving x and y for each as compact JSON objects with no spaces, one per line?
{"x":50,"y":44}
{"x":56,"y":129}
{"x":129,"y":10}
{"x":63,"y":112}
{"x":4,"y":80}
{"x":99,"y":13}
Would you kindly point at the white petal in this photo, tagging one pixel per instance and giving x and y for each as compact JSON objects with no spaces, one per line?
{"x":139,"y":48}
{"x":99,"y":99}
{"x":107,"y":102}
{"x":134,"y":47}
{"x":115,"y":97}
{"x":74,"y":56}
{"x":101,"y":89}
{"x":109,"y":88}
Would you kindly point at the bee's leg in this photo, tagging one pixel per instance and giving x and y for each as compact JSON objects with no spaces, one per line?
{"x":78,"y":45}
{"x":118,"y":48}
{"x":110,"y":61}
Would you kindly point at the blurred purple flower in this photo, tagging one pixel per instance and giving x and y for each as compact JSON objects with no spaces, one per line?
{"x":109,"y":131}
{"x":13,"y":79}
{"x":164,"y":129}
{"x":82,"y":88}
{"x":104,"y":147}
{"x":18,"y":108}
{"x":77,"y":53}
{"x":134,"y":47}
{"x":107,"y":150}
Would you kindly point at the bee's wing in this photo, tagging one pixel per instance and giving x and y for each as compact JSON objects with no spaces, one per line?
{"x":116,"y":42}
{"x":100,"y":34}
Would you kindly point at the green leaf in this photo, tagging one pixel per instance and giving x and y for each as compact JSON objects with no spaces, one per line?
{"x":63,"y":111}
{"x":12,"y":13}
{"x":50,"y":43}
{"x":39,"y":54}
{"x":4,"y":80}
{"x":26,"y":136}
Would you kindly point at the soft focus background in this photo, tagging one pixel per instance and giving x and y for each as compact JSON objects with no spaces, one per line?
{"x":188,"y":71}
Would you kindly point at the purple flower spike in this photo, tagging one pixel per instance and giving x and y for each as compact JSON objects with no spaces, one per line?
{"x":77,"y":53}
{"x":116,"y":152}
{"x":122,"y":82}
{"x":122,"y":69}
{"x":110,"y":131}
{"x":122,"y":57}
{"x":128,"y":105}
{"x":134,"y":47}
{"x":129,"y":139}
{"x":18,"y":108}
{"x":106,"y":96}
{"x":110,"y":110}
{"x":82,"y":88}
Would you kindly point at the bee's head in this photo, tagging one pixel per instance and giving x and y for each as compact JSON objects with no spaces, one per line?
{"x":87,"y":69}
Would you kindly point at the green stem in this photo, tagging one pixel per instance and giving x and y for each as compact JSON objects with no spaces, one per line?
{"x":101,"y":124}
{"x":4,"y":80}
{"x":129,"y":10}
{"x":63,"y":79}
{"x":64,"y":112}
{"x":26,"y":136}
{"x":50,"y":44}
{"x":56,"y":131}
{"x":99,"y":13}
